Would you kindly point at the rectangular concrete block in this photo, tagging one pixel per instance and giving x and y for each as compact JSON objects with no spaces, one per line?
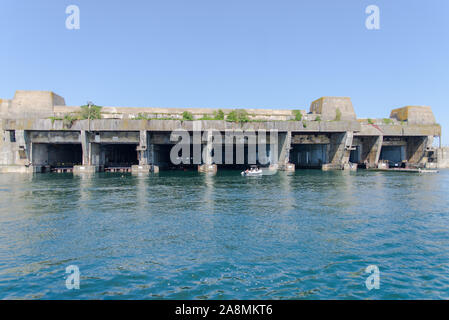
{"x":86,"y":169}
{"x":211,"y":168}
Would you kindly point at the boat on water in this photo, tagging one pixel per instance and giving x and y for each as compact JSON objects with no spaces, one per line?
{"x":428,"y":171}
{"x":254,"y":171}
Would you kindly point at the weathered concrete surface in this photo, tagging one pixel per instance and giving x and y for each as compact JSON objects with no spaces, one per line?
{"x":398,"y":130}
{"x":141,"y":168}
{"x":414,"y":114}
{"x":32,"y":104}
{"x":285,"y":145}
{"x":29,"y":132}
{"x":442,"y":155}
{"x":416,"y":148}
{"x":333,"y":108}
{"x":151,"y":112}
{"x":310,"y":139}
{"x":207,"y":168}
{"x":55,"y":137}
{"x":171,"y":125}
{"x":85,"y":169}
{"x":18,"y":169}
{"x":370,"y":150}
{"x":338,"y":153}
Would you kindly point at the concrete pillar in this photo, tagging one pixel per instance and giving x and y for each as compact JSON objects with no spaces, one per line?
{"x":146,"y":155}
{"x":349,"y":139}
{"x":208,"y":165}
{"x":416,"y":149}
{"x":95,"y":155}
{"x":209,"y":148}
{"x":371,"y":149}
{"x":339,"y":150}
{"x":23,"y":145}
{"x":85,"y":146}
{"x":443,"y":157}
{"x":378,"y":149}
{"x":89,"y":152}
{"x":142,"y":148}
{"x":285,"y":145}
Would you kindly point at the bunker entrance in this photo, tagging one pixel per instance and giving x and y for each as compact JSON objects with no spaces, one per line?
{"x":120,"y":155}
{"x":243,"y":156}
{"x":393,"y":154}
{"x":309,"y":155}
{"x":186,"y":161}
{"x":355,"y":156}
{"x":57,"y":155}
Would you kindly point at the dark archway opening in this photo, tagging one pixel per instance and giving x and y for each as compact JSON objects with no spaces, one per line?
{"x":120,"y":155}
{"x":57,"y":155}
{"x":308,"y":155}
{"x":393,"y":154}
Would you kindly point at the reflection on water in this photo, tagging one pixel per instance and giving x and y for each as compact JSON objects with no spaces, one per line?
{"x":185,"y":235}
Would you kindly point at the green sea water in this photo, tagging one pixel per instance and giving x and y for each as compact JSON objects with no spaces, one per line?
{"x":186,"y":235}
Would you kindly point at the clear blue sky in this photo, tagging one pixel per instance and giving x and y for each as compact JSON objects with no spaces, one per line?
{"x":230,"y":53}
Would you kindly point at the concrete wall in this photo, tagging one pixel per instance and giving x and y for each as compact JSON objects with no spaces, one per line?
{"x":33,"y":104}
{"x":309,"y":155}
{"x":416,"y":147}
{"x":370,"y":148}
{"x":40,"y":155}
{"x":28,"y":113}
{"x":443,"y":157}
{"x":171,"y":125}
{"x":176,"y":113}
{"x":4,"y":107}
{"x":414,"y":114}
{"x":328,"y":108}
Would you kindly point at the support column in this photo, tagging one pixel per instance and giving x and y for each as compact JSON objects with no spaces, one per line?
{"x":416,"y":149}
{"x":86,"y":147}
{"x":208,"y":165}
{"x":95,"y":156}
{"x":285,"y":145}
{"x":339,"y":151}
{"x":21,"y":152}
{"x":371,"y":149}
{"x":142,"y":148}
{"x":145,"y":150}
{"x":378,"y":149}
{"x":23,"y":147}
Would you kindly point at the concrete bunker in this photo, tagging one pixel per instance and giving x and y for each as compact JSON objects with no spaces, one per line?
{"x":309,"y":155}
{"x":309,"y":150}
{"x":119,"y":155}
{"x":355,"y":155}
{"x":57,"y":155}
{"x":180,"y":162}
{"x":393,"y":154}
{"x":241,"y":156}
{"x":393,"y":150}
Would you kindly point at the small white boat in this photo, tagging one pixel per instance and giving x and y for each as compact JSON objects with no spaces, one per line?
{"x":252,"y":173}
{"x":427,"y":170}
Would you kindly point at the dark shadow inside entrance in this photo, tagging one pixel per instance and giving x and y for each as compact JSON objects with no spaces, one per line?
{"x":393,"y":154}
{"x":120,"y":155}
{"x":57,"y":155}
{"x":308,"y":155}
